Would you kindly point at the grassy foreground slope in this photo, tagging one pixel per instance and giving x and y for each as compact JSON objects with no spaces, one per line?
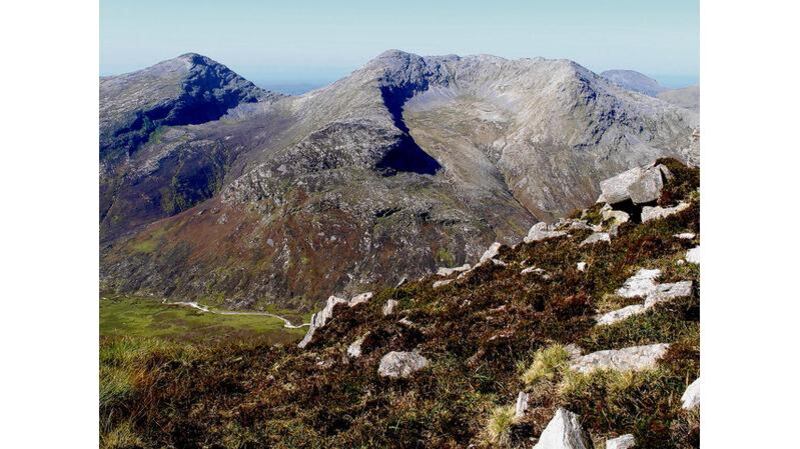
{"x":488,"y":335}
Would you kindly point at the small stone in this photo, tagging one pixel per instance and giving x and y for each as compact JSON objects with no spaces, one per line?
{"x":564,"y":431}
{"x":596,"y":237}
{"x":633,"y":358}
{"x":621,"y":442}
{"x":685,"y":235}
{"x":358,"y":299}
{"x":389,"y":307}
{"x":398,"y":364}
{"x":493,"y":250}
{"x":640,"y":284}
{"x":620,"y":314}
{"x":521,"y":405}
{"x":541,"y":231}
{"x":618,"y":216}
{"x":693,"y":255}
{"x":691,"y":397}
{"x":654,"y":212}
{"x":581,"y":266}
{"x":499,"y":262}
{"x":442,"y":283}
{"x":354,"y":350}
{"x":533,"y":270}
{"x":443,"y":271}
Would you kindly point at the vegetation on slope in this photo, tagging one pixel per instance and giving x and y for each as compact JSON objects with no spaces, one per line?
{"x":488,"y":335}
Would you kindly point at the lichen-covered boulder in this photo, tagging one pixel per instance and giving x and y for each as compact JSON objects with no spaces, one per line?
{"x":564,"y":431}
{"x":639,"y":184}
{"x":398,"y":364}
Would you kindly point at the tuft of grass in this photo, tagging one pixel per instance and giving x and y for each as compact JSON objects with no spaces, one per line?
{"x":121,"y":437}
{"x":546,"y":364}
{"x":498,"y":429}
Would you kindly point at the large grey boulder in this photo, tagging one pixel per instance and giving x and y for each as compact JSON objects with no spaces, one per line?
{"x":634,"y":358}
{"x":398,"y":364}
{"x":320,"y":318}
{"x":639,"y":184}
{"x":564,"y":431}
{"x":640,"y":284}
{"x":541,"y":231}
{"x":621,"y":442}
{"x":691,"y":397}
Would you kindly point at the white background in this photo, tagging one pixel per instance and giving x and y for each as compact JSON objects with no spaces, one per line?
{"x":48,"y":224}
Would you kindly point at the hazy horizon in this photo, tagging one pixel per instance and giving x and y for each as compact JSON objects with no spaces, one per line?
{"x":310,"y":44}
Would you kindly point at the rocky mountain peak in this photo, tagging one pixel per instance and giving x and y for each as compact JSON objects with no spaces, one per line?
{"x":635,"y":81}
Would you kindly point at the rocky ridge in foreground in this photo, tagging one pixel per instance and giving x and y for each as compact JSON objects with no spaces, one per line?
{"x":511,"y":352}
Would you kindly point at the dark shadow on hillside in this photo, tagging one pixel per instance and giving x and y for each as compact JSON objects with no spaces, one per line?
{"x":406,"y":156}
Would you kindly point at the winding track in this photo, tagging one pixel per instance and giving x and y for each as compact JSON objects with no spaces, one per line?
{"x":286,"y":323}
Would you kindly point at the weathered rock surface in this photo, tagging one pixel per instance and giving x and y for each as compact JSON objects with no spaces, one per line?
{"x":621,"y":442}
{"x":541,"y":231}
{"x":665,"y":292}
{"x":691,"y":397}
{"x":633,"y":358}
{"x":401,"y":364}
{"x":564,"y":431}
{"x":442,"y":283}
{"x":639,"y":184}
{"x":360,"y":299}
{"x":320,"y":318}
{"x":443,"y":271}
{"x":596,"y":237}
{"x":640,"y":284}
{"x":656,"y":212}
{"x":620,"y":314}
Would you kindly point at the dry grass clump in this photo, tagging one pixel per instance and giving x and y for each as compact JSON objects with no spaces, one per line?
{"x":547,"y":363}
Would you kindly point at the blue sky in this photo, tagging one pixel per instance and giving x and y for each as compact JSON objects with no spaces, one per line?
{"x":315,"y":42}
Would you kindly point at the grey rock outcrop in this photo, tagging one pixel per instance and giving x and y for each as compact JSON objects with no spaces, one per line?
{"x":541,"y":231}
{"x":620,"y":314}
{"x":444,"y":271}
{"x":633,"y":358}
{"x":490,"y":253}
{"x":665,"y":292}
{"x":564,"y":431}
{"x":320,"y":318}
{"x":691,"y":397}
{"x":360,"y":299}
{"x":596,"y":238}
{"x":639,"y":184}
{"x":621,"y":442}
{"x":640,"y":284}
{"x":401,"y":364}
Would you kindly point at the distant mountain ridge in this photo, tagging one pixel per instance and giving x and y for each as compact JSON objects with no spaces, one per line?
{"x":409,"y":163}
{"x":685,"y":97}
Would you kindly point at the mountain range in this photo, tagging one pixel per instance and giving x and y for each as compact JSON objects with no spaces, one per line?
{"x":213,"y":188}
